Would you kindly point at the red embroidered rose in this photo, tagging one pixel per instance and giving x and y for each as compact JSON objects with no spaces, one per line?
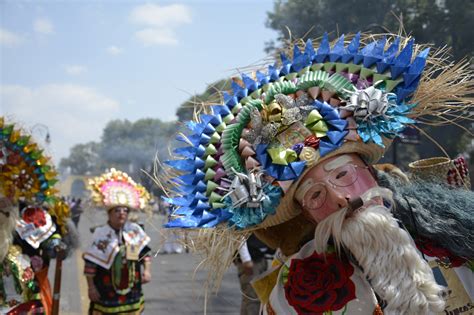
{"x":316,"y":284}
{"x":311,"y":141}
{"x":122,"y":299}
{"x":431,"y":249}
{"x":35,"y":216}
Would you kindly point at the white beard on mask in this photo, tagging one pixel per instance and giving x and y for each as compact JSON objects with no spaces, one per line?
{"x":388,"y":257}
{"x":7,"y":225}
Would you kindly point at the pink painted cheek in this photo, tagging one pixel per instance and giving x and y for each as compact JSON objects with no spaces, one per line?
{"x":364,"y":182}
{"x":335,"y":198}
{"x":337,"y":195}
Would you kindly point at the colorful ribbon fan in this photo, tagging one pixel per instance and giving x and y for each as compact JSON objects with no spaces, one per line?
{"x":117,"y":188}
{"x":25,"y":172}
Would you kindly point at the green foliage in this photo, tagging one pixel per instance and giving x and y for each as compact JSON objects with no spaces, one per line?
{"x":313,"y":18}
{"x":125,"y":145}
{"x":430,"y":21}
{"x":132,"y":146}
{"x":83,"y":159}
{"x":210,"y":95}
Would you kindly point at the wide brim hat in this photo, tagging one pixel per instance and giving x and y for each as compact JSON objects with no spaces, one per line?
{"x":352,"y":96}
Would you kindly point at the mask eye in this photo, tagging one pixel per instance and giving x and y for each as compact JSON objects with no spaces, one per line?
{"x":316,"y":194}
{"x":341,"y":174}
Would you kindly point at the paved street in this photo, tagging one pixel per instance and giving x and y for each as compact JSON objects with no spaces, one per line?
{"x":172,"y":290}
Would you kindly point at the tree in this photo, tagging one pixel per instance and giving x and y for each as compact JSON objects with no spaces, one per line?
{"x":125,"y":145}
{"x":83,"y":159}
{"x":439,"y":22}
{"x":460,"y":21}
{"x":313,"y":18}
{"x":132,"y":146}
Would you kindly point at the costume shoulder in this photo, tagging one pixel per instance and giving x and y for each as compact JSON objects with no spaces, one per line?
{"x":101,"y":230}
{"x":104,"y":247}
{"x":135,"y":235}
{"x":132,"y":226}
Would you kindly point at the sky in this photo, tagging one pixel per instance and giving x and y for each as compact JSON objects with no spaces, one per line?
{"x":69,"y":67}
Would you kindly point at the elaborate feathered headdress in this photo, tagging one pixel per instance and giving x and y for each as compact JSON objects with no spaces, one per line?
{"x":25,"y":172}
{"x":116,"y":188}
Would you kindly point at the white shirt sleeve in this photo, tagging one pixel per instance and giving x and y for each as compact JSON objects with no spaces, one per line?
{"x":244,"y":253}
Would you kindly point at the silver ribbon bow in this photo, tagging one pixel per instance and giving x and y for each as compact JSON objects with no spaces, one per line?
{"x":368,"y":103}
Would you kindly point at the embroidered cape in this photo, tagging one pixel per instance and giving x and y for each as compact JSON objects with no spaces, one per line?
{"x":106,"y":243}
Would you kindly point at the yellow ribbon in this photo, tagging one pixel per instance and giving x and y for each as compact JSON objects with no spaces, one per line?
{"x":316,"y":124}
{"x":273,"y":112}
{"x":15,"y":136}
{"x":61,"y":211}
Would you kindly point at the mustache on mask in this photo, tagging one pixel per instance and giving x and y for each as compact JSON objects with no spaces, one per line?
{"x":363,"y":200}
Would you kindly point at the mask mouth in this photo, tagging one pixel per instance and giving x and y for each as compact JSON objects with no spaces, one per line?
{"x":5,"y":213}
{"x":353,"y":205}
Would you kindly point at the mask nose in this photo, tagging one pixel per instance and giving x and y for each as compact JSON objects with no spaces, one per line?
{"x":338,"y":198}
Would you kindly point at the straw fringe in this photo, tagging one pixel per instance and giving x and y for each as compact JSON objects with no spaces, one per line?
{"x":445,"y":92}
{"x":217,"y":248}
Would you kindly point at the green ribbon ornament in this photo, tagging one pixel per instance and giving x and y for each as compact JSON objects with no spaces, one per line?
{"x":282,"y":156}
{"x":316,"y":124}
{"x":117,"y":266}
